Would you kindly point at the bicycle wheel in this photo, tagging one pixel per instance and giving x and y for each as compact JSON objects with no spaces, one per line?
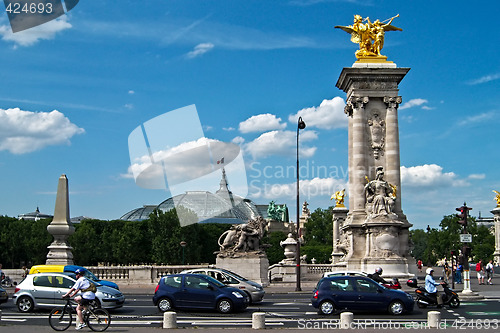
{"x":60,"y":319}
{"x":98,"y":319}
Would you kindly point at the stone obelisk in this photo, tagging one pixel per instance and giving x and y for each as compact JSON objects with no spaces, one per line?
{"x":61,"y":228}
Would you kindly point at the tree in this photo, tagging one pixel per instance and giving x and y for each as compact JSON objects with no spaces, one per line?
{"x":319,"y":236}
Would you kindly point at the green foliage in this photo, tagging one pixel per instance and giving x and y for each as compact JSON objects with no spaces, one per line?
{"x":433,"y":245}
{"x":319,"y":236}
{"x":275,"y":253}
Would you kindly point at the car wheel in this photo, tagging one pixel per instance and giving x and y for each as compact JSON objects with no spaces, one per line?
{"x":396,"y":308}
{"x":224,"y":306}
{"x":164,"y":304}
{"x":326,"y":308}
{"x":249,"y":297}
{"x":25,"y":304}
{"x":455,"y":302}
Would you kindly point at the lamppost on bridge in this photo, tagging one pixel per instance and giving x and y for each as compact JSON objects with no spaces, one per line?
{"x":300,"y":125}
{"x":183,"y":245}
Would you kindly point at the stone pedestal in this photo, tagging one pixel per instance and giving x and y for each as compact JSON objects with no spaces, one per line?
{"x":249,"y":266}
{"x":376,"y":230}
{"x":339,"y":218}
{"x":496,"y":217}
{"x":61,"y":228}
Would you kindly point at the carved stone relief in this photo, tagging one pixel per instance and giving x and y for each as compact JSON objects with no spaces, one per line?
{"x":377,"y":132}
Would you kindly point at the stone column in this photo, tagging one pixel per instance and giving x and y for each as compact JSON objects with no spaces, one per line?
{"x":339,"y":217}
{"x":357,"y":154}
{"x":61,"y":228}
{"x":392,"y":169}
{"x":496,"y":217}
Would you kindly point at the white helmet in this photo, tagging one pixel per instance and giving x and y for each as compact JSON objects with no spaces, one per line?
{"x":429,"y":270}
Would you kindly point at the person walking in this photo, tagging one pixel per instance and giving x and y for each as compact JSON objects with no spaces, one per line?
{"x":419,"y":265}
{"x":480,"y":272}
{"x":489,"y":272}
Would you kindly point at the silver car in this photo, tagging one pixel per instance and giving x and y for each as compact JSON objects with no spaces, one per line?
{"x":254,"y":290}
{"x":44,"y":290}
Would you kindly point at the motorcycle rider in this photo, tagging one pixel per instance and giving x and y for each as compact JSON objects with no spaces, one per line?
{"x":377,"y":276}
{"x":430,"y":287}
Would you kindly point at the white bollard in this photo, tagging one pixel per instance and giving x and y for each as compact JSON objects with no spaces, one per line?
{"x":346,"y":319}
{"x":0,"y":315}
{"x":259,"y":320}
{"x":170,"y":319}
{"x":433,"y":319}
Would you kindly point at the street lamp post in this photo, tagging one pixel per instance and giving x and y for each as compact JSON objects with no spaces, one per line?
{"x":300,"y":125}
{"x":183,"y":245}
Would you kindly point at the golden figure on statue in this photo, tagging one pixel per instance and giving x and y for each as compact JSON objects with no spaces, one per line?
{"x":370,"y":36}
{"x":339,"y":198}
{"x":497,"y":197}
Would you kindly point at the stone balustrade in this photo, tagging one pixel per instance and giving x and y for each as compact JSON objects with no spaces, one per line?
{"x":151,"y":274}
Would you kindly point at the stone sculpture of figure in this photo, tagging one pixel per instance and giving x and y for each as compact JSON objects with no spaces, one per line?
{"x":497,"y":198}
{"x":339,"y":198}
{"x":243,"y":237}
{"x":369,"y":36}
{"x":379,"y":193}
{"x":305,"y":210}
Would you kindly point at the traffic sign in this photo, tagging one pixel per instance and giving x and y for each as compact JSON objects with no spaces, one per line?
{"x":466,"y":238}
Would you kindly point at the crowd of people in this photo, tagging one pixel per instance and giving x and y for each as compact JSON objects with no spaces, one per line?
{"x":484,"y":273}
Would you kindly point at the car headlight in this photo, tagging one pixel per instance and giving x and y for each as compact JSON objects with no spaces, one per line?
{"x":107,"y":295}
{"x":237,"y":294}
{"x":409,"y":296}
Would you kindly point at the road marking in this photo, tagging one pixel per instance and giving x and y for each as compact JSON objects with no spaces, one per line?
{"x":483,"y":313}
{"x":16,"y":320}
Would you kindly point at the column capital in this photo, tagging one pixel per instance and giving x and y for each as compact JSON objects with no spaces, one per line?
{"x":392,"y":102}
{"x":355,"y":103}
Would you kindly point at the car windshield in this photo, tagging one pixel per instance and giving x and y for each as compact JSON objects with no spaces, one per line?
{"x":239,"y":277}
{"x":90,"y":276}
{"x":214,"y":281}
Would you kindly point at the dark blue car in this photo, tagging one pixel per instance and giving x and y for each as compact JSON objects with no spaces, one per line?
{"x":358,"y":293}
{"x":197,"y":291}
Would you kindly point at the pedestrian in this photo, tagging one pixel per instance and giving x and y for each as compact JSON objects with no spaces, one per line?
{"x":480,"y":272}
{"x":458,"y":273}
{"x":419,"y":265}
{"x":446,"y":270}
{"x":489,"y":272}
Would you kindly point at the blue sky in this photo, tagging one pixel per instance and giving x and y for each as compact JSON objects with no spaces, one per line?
{"x":74,"y":89}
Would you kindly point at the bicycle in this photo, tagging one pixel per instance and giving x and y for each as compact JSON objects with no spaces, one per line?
{"x":97,"y":319}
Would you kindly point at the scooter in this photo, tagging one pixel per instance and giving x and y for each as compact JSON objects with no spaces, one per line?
{"x":393,"y":285}
{"x":6,"y":281}
{"x":425,"y":299}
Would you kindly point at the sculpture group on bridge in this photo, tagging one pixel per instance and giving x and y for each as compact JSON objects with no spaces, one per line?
{"x":370,"y":36}
{"x":242,"y":238}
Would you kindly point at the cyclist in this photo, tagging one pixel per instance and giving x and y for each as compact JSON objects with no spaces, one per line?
{"x":88,"y":294}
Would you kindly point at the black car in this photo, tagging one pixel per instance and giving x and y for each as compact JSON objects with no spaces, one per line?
{"x":358,"y":293}
{"x":197,"y":291}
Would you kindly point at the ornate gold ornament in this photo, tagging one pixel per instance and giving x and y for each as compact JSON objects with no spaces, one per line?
{"x":370,"y":37}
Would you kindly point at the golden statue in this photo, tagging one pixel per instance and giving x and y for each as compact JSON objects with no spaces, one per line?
{"x":339,"y":198}
{"x":370,"y":36}
{"x":497,"y":198}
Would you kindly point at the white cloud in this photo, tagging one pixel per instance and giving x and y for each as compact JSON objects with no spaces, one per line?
{"x":129,"y":106}
{"x":415,"y":102}
{"x":429,"y":175}
{"x":329,"y":114}
{"x":228,"y":129}
{"x":480,"y":118}
{"x":32,"y":36}
{"x":484,"y":79}
{"x":310,"y":188}
{"x":131,"y":92}
{"x":199,"y":50}
{"x":25,"y":131}
{"x":261,"y":123}
{"x":281,"y":143}
{"x":477,"y":176}
{"x":238,"y":140}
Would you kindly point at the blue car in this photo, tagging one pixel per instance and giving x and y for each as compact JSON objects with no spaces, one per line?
{"x":358,"y":293}
{"x":90,"y":276}
{"x":197,"y":291}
